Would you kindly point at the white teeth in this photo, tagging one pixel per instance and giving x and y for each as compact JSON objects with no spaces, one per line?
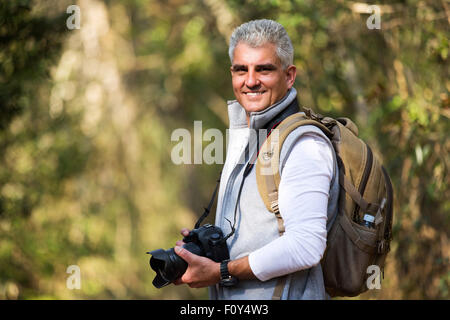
{"x":253,"y":94}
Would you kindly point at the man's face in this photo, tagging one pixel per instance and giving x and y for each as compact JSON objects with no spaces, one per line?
{"x":258,"y":78}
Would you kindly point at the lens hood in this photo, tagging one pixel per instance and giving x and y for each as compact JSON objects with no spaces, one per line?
{"x":158,"y":262}
{"x":167,"y":265}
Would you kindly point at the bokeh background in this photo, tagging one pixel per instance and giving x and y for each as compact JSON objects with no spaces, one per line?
{"x":86,"y":117}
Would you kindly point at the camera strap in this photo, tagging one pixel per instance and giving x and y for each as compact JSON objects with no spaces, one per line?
{"x":211,"y":202}
{"x":235,"y":207}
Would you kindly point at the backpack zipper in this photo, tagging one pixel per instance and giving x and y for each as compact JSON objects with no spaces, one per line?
{"x":364,"y":179}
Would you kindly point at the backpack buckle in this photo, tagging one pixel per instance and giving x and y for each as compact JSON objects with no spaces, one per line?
{"x":274,"y":206}
{"x":267,"y":155}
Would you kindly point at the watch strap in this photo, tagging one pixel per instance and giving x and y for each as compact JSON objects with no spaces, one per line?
{"x":224,"y":274}
{"x":226,"y":279}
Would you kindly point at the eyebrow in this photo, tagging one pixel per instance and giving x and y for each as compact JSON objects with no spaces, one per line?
{"x":238,"y":67}
{"x":259,"y":67}
{"x":267,"y":66}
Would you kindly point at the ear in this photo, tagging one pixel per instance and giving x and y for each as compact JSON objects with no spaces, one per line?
{"x":291,"y":74}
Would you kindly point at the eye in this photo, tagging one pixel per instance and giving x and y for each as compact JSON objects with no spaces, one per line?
{"x":265,"y":69}
{"x":240,"y":70}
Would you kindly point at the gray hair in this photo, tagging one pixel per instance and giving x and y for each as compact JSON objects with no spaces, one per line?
{"x":256,"y":33}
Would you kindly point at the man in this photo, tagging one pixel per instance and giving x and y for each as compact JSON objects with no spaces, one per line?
{"x":263,"y":76}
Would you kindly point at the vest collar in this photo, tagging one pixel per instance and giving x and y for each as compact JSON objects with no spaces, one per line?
{"x":261,"y":119}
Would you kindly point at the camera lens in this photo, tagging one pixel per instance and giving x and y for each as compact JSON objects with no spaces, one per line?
{"x":168,"y":265}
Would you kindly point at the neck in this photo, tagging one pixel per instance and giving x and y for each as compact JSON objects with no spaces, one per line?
{"x":283,"y":114}
{"x":289,"y":110}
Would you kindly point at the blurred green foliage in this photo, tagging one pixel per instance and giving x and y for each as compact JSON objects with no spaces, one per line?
{"x":86,"y":119}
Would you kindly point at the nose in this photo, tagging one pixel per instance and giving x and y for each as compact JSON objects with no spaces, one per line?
{"x":252,"y":80}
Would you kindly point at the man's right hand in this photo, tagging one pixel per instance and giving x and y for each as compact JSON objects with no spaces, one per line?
{"x":201,"y":271}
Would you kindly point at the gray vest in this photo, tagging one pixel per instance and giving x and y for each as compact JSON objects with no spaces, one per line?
{"x":255,"y":225}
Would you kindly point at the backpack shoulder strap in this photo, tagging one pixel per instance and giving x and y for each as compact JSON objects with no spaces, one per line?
{"x":268,"y":162}
{"x":268,"y":175}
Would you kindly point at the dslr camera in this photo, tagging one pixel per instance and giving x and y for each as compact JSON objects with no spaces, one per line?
{"x":206,"y":241}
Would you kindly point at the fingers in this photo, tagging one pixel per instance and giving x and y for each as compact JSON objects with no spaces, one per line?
{"x":189,"y":258}
{"x":185,"y":232}
{"x":184,"y":254}
{"x":179,"y":243}
{"x":201,"y":271}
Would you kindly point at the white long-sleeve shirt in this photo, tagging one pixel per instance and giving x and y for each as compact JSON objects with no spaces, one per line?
{"x":303,"y":200}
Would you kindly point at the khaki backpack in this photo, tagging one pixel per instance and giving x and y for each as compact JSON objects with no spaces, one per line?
{"x":365,"y":188}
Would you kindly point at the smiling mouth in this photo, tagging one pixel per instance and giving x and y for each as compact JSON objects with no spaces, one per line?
{"x":254,"y":94}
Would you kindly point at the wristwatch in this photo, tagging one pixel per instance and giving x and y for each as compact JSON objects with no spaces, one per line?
{"x":226,"y":279}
